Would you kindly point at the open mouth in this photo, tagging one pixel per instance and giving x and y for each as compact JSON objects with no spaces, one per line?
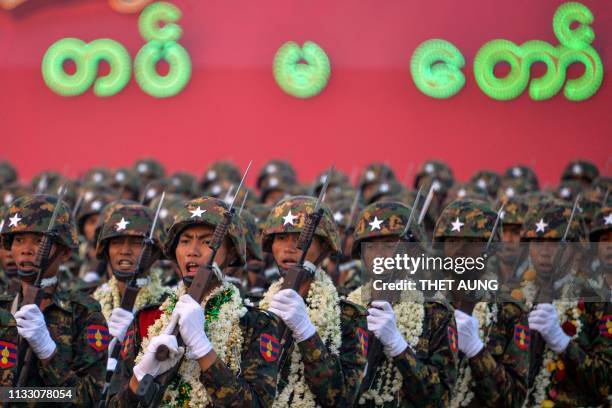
{"x":288,"y":262}
{"x":27,"y":266}
{"x":191,"y":268}
{"x":125,"y":265}
{"x":12,"y":265}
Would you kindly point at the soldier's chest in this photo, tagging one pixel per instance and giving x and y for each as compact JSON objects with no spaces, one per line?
{"x":62,"y":328}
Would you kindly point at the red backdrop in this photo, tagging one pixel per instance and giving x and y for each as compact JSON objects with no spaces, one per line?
{"x":232,"y":108}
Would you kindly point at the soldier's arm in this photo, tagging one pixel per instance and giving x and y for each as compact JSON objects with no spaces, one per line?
{"x":255,"y":386}
{"x":588,"y":358}
{"x":430,"y":378}
{"x":501,"y":368}
{"x":85,"y":372}
{"x":334,"y":380}
{"x":8,"y":349}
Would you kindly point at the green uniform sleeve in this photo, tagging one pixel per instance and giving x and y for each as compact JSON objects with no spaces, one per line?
{"x":255,"y":386}
{"x":8,"y":349}
{"x":429,"y":375}
{"x":500,"y":369}
{"x":334,"y":380}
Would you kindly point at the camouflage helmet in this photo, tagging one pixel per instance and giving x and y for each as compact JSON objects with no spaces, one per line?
{"x":205,"y":211}
{"x":513,"y":187}
{"x":602,"y":184}
{"x":8,"y":174}
{"x":341,"y":210}
{"x":32,"y":213}
{"x":290,"y":214}
{"x":487,"y":181}
{"x":133,"y":220}
{"x":92,"y":202}
{"x":171,"y":206}
{"x":106,"y":213}
{"x":376,"y":173}
{"x":98,"y":175}
{"x":524,"y":173}
{"x":46,"y":182}
{"x":549,"y":220}
{"x":149,"y":169}
{"x":260,"y":214}
{"x":463,"y":191}
{"x":183,"y":183}
{"x":590,"y":202}
{"x":274,"y":168}
{"x":220,"y":171}
{"x":383,"y":189}
{"x":467,"y":218}
{"x":338,"y":179}
{"x":12,"y":192}
{"x":153,"y":189}
{"x":126,"y":179}
{"x":515,"y":210}
{"x":569,"y":189}
{"x":435,"y":170}
{"x":278,"y":181}
{"x":251,"y":235}
{"x":602,"y":222}
{"x":383,"y":219}
{"x":580,"y":170}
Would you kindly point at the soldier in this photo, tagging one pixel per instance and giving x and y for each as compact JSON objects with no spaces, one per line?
{"x":275,"y":187}
{"x":511,"y":261}
{"x":127,"y":183}
{"x":231,"y":351}
{"x":8,"y":348}
{"x":419,"y":365}
{"x":374,"y":174}
{"x":582,"y":170}
{"x":523,"y":173}
{"x":323,"y":363}
{"x":9,"y":282}
{"x":486,"y":181}
{"x":600,"y":237}
{"x":183,"y":183}
{"x":8,"y":174}
{"x":571,"y":352}
{"x":149,"y":170}
{"x":220,"y":171}
{"x":67,"y":332}
{"x":493,"y":336}
{"x":119,"y":244}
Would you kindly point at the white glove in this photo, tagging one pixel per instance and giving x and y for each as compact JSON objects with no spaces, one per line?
{"x":544,"y":319}
{"x":150,"y":365}
{"x":289,"y":306}
{"x":118,"y":323}
{"x":467,"y":331}
{"x":191,"y":322}
{"x":91,"y":276}
{"x":31,"y":325}
{"x":381,"y":322}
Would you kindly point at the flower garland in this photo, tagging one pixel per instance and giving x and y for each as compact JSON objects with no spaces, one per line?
{"x":486,"y":314}
{"x":109,"y":297}
{"x":409,"y":315}
{"x":324,"y":312}
{"x":223,"y":309}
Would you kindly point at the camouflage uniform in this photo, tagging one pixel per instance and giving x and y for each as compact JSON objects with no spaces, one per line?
{"x":430,"y":369}
{"x":583,"y":376}
{"x":499,"y":370}
{"x":73,"y":320}
{"x":333,"y":379}
{"x":255,"y":383}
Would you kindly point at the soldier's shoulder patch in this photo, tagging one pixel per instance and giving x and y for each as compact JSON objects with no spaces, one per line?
{"x":605,"y":326}
{"x":98,"y":336}
{"x":127,"y":343}
{"x":452,"y":339}
{"x":269,"y":347}
{"x":8,"y":354}
{"x":363,"y":337}
{"x":352,"y":309}
{"x":522,"y":336}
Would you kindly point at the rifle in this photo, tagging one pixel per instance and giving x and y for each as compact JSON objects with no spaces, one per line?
{"x":151,"y":389}
{"x":295,"y":277}
{"x":348,"y":231}
{"x":128,"y":299}
{"x":33,"y":294}
{"x":375,"y":347}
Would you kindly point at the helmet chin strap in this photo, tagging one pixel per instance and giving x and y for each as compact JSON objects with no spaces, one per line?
{"x":125,"y":276}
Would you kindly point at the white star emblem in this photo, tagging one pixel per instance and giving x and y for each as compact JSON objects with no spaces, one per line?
{"x":121,"y":225}
{"x":565,"y":192}
{"x":517,"y":172}
{"x":197,"y":212}
{"x":151,"y":193}
{"x":577,"y":169}
{"x":273,"y":182}
{"x":211,"y":175}
{"x":271,"y":168}
{"x":338,"y":216}
{"x":215,"y":190}
{"x":375,"y":224}
{"x":289,"y":218}
{"x":384,"y":187}
{"x":461,"y":193}
{"x":457,"y":225}
{"x":502,"y":214}
{"x":323,"y":178}
{"x":429,"y":168}
{"x":176,"y":182}
{"x":8,"y":199}
{"x":120,"y":176}
{"x":541,"y":225}
{"x":142,"y":167}
{"x":97,"y":177}
{"x":88,"y":195}
{"x":608,"y":219}
{"x":96,"y":205}
{"x":370,"y":175}
{"x":436,"y":185}
{"x":14,"y":221}
{"x":482,"y":183}
{"x":163,"y":213}
{"x":510,"y":192}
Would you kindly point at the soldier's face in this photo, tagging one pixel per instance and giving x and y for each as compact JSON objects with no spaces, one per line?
{"x":604,"y":248}
{"x":511,"y":238}
{"x":24,"y":248}
{"x":123,"y":253}
{"x":89,"y":227}
{"x":286,"y":254}
{"x":274,"y":197}
{"x":193,"y":251}
{"x":542,"y":256}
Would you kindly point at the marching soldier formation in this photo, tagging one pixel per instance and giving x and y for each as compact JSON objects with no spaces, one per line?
{"x":137,"y":288}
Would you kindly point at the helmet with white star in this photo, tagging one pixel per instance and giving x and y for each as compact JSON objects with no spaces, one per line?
{"x":384,"y":219}
{"x":434,"y":170}
{"x":220,"y":170}
{"x":467,"y":218}
{"x":149,"y":169}
{"x":207,"y":211}
{"x":128,"y":219}
{"x":92,"y":202}
{"x":515,"y":210}
{"x":580,"y":170}
{"x":32,"y":213}
{"x":602,"y":222}
{"x":486,"y":181}
{"x":549,"y":220}
{"x":290,"y":215}
{"x":522,"y":173}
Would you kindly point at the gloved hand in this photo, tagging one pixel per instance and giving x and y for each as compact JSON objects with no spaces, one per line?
{"x":31,"y":325}
{"x":289,"y":306}
{"x":118,"y":323}
{"x":468,"y":335}
{"x":381,"y":322}
{"x":150,"y":365}
{"x":191,"y":325}
{"x":545,"y":320}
